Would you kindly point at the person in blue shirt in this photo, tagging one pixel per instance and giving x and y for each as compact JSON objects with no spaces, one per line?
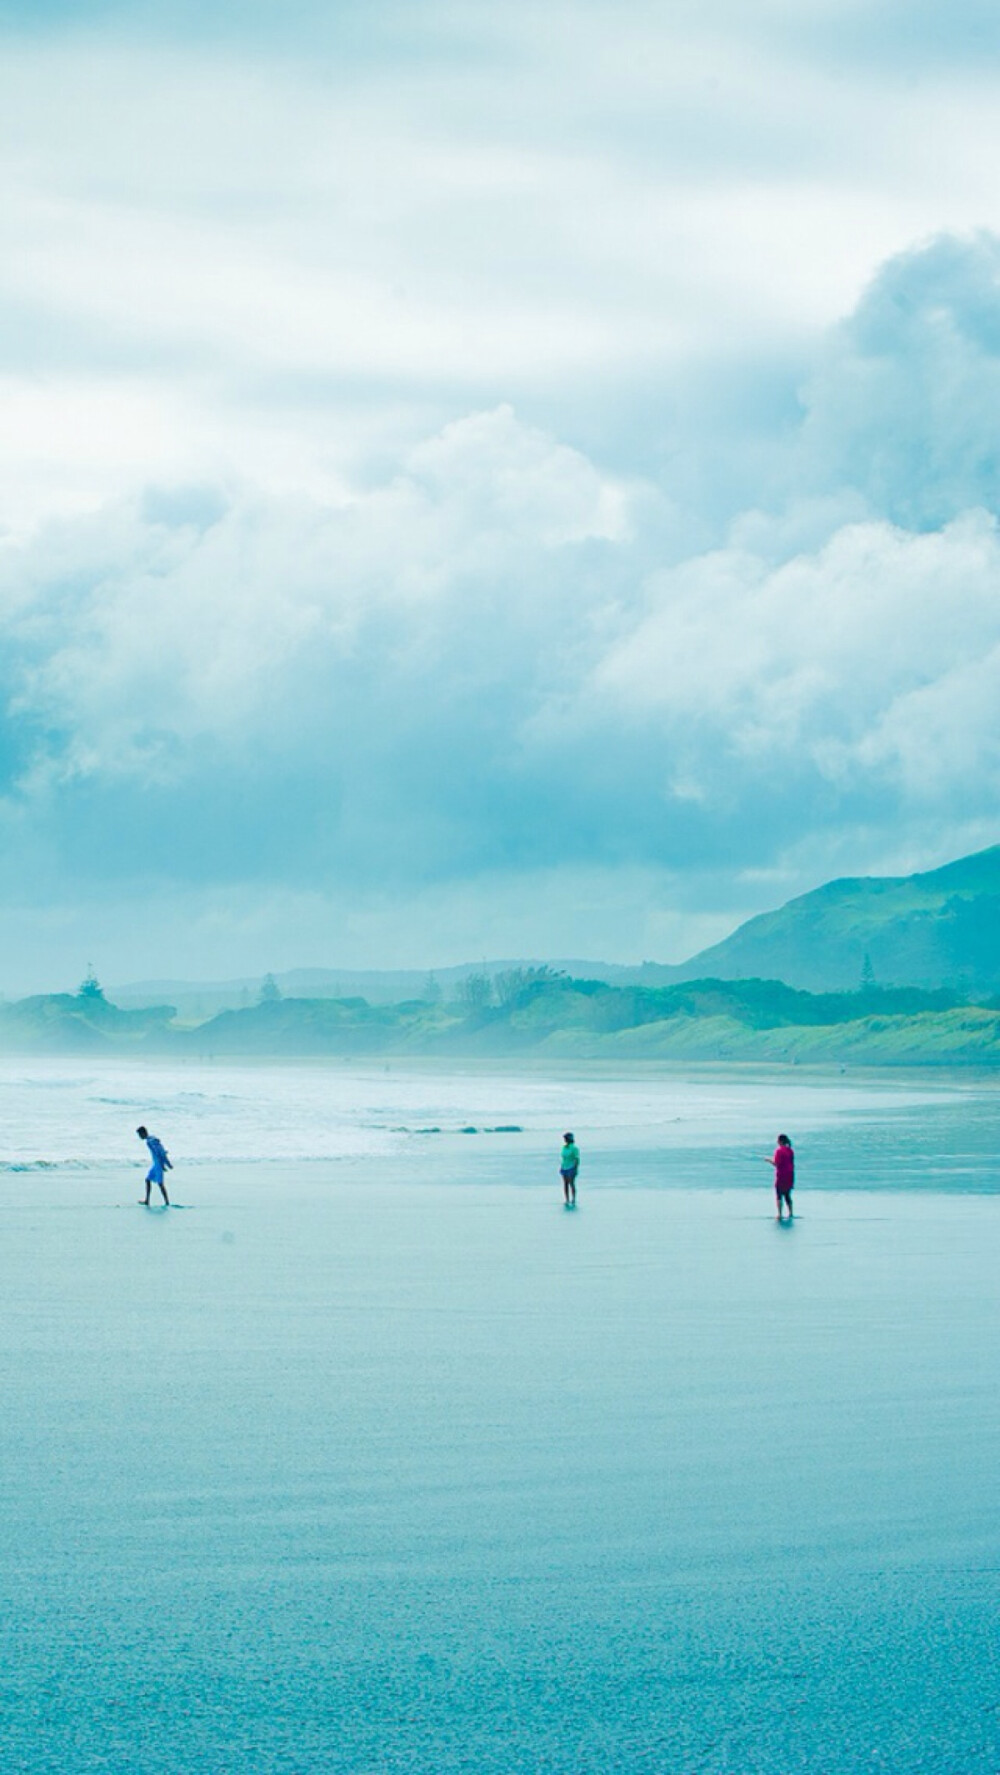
{"x":158,"y":1154}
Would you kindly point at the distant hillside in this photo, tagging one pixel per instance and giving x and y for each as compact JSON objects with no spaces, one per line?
{"x":540,"y":1013}
{"x":940,"y":929}
{"x":196,"y":1000}
{"x":81,"y":1023}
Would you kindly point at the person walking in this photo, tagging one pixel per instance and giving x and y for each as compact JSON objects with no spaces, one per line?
{"x":161,"y":1163}
{"x":784,"y":1175}
{"x":569,"y":1165}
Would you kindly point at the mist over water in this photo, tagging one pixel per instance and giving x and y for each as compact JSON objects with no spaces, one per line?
{"x":669,"y":1120}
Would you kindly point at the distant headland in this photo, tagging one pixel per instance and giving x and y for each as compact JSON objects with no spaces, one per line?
{"x":902,"y":970}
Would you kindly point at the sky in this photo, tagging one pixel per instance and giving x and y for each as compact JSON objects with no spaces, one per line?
{"x":488,"y":481}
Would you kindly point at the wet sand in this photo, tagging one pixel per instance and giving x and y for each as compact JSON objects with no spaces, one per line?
{"x":332,"y":1473}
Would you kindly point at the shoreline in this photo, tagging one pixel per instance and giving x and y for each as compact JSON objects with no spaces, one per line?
{"x":529,"y":1062}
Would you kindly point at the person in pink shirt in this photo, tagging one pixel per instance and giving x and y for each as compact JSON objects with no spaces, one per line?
{"x":784,"y":1175}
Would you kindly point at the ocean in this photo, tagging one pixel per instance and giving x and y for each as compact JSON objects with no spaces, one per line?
{"x":650,"y":1126}
{"x":374,"y":1458}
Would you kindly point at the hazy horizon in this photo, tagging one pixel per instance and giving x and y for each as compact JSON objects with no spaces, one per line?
{"x":423,"y":972}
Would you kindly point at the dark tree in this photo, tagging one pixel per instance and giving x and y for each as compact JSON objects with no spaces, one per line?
{"x":477,"y":991}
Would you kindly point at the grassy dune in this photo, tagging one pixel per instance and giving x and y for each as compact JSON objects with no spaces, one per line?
{"x":750,"y":1020}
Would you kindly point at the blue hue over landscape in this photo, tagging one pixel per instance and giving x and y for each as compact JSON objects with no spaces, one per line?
{"x":481,"y":485}
{"x":499,"y":482}
{"x":377,"y":1458}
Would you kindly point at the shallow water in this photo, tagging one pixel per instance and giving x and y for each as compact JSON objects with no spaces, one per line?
{"x":654,"y":1125}
{"x":386,"y":1462}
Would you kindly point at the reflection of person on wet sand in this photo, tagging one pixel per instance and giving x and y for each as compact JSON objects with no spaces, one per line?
{"x":161,"y":1163}
{"x":784,"y":1175}
{"x":569,"y":1165}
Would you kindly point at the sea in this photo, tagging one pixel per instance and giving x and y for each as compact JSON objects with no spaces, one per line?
{"x":652,"y":1126}
{"x":369,"y":1456}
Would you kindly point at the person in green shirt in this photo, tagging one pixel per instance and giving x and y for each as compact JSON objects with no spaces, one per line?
{"x":569,"y":1165}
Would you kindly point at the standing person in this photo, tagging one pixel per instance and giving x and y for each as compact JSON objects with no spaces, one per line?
{"x":161,"y":1163}
{"x":569,"y":1165}
{"x":784,"y":1175}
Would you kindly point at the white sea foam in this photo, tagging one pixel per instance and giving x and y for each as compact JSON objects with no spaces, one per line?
{"x":85,"y":1114}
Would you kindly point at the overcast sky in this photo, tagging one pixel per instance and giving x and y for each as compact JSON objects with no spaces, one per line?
{"x":488,"y":480}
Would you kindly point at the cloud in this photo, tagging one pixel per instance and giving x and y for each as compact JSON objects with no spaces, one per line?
{"x":899,"y":35}
{"x":866,"y":666}
{"x":451,"y":451}
{"x":220,"y":261}
{"x":477,"y":666}
{"x":904,"y":403}
{"x":367,"y":660}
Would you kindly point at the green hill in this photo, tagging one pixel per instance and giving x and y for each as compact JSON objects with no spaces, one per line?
{"x":80,"y":1023}
{"x":587,"y":1019}
{"x":939,"y":929}
{"x":786,"y":986}
{"x":545,"y":1014}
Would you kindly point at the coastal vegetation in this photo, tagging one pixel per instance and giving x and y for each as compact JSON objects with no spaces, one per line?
{"x":547,"y":1013}
{"x":807,"y":983}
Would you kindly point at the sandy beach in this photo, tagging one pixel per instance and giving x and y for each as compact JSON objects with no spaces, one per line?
{"x":338,"y":1469}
